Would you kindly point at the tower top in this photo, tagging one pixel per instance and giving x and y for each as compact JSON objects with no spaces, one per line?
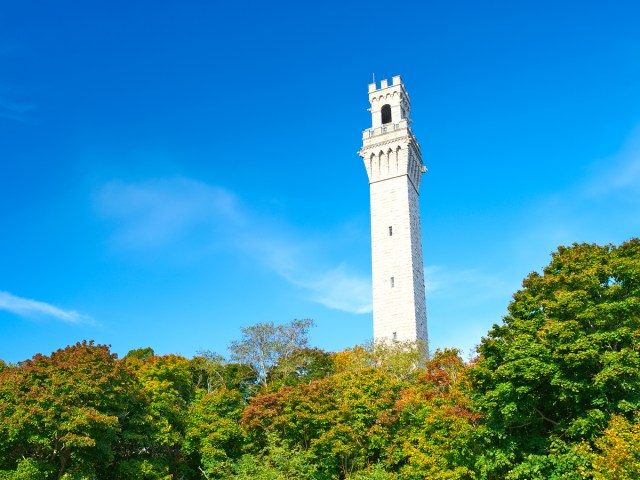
{"x":391,"y":94}
{"x":389,"y":104}
{"x":390,"y":108}
{"x":397,"y":80}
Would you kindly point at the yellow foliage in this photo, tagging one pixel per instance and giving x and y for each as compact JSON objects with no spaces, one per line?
{"x":617,"y":454}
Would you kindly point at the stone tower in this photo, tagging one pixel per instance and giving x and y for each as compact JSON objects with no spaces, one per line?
{"x":393,"y":161}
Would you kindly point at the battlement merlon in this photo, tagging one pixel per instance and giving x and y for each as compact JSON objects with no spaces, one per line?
{"x":385,"y":89}
{"x":397,"y":80}
{"x":394,"y":98}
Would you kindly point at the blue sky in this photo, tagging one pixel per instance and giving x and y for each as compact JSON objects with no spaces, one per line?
{"x":173,"y":171}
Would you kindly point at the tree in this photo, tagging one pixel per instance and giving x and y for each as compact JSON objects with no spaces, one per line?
{"x":344,"y":423}
{"x":565,"y":358}
{"x":439,"y":433}
{"x":617,"y":452}
{"x":401,"y":360}
{"x":142,"y":354}
{"x":211,"y":371}
{"x":167,"y":382}
{"x":27,"y":469}
{"x":376,"y":472}
{"x":304,"y":365}
{"x":264,"y":346}
{"x":213,"y":435}
{"x":278,"y":461}
{"x":67,"y":413}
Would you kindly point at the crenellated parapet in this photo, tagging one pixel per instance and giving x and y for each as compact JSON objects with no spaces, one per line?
{"x":395,"y":96}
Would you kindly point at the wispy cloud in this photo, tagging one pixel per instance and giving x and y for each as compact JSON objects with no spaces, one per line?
{"x":166,"y":214}
{"x":601,"y":207}
{"x":15,"y":110}
{"x":338,"y":288}
{"x":472,"y":284}
{"x":462,"y":304}
{"x":620,"y":173}
{"x":26,"y":307}
{"x":10,"y":107}
{"x":156,"y":213}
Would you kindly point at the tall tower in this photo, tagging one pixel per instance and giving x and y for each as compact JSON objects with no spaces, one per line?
{"x":393,"y":161}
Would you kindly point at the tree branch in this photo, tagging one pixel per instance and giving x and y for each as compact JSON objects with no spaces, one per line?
{"x":545,"y":418}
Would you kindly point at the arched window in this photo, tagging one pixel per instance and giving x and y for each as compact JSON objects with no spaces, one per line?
{"x":386,"y":114}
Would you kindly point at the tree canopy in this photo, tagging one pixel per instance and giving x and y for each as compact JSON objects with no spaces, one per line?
{"x":553,"y":394}
{"x":567,"y":356}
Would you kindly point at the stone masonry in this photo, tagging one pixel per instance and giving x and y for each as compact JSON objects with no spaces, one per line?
{"x":393,"y":161}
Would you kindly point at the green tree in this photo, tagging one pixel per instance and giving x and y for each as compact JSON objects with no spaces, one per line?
{"x":344,"y":423}
{"x":296,"y":414}
{"x":565,"y":358}
{"x":400,"y":360}
{"x":278,"y":461}
{"x":615,"y":455}
{"x":68,"y":413}
{"x":265,"y":345}
{"x":211,"y":371}
{"x":27,"y":469}
{"x":376,"y":472}
{"x":213,"y":435}
{"x":439,"y":432}
{"x":304,"y":365}
{"x":142,"y":354}
{"x":167,"y":382}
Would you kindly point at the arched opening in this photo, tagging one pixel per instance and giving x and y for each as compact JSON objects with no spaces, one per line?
{"x":386,"y":114}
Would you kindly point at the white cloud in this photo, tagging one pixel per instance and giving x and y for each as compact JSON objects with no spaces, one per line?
{"x":158,"y":212}
{"x":164,"y":215}
{"x":338,"y":288}
{"x":32,"y":308}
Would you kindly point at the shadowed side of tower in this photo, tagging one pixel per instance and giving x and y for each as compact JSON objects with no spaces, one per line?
{"x":394,"y":165}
